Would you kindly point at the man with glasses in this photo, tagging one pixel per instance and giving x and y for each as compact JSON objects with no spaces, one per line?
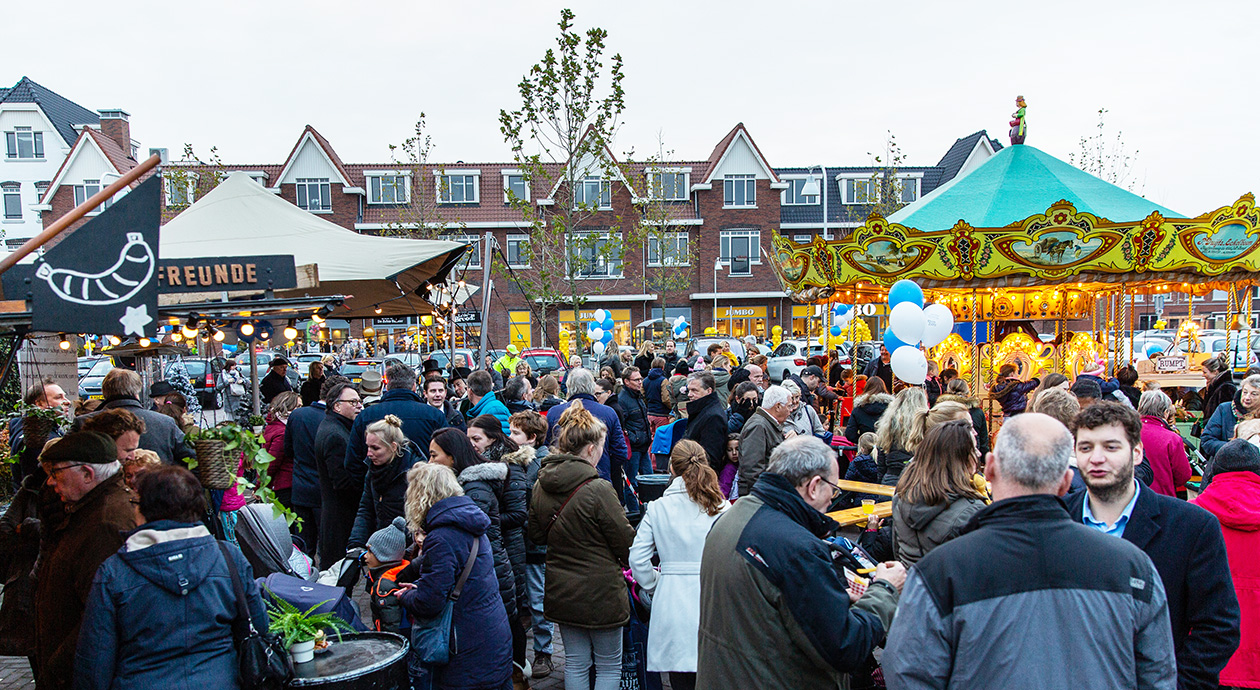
{"x":84,"y":471}
{"x":635,"y":424}
{"x":793,"y":623}
{"x":339,"y":489}
{"x":762,"y":433}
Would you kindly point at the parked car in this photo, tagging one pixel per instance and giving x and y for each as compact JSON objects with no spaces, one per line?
{"x":544,"y":360}
{"x":443,"y":358}
{"x":411,"y":359}
{"x":353,"y":369}
{"x":1243,"y":357}
{"x":302,"y":363}
{"x":90,"y":383}
{"x":86,"y":363}
{"x":207,"y":380}
{"x":790,"y":358}
{"x":862,"y":353}
{"x":701,"y":344}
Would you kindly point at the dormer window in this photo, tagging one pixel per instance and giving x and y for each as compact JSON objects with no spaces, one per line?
{"x":740,"y":191}
{"x":388,"y":189}
{"x":592,"y":191}
{"x":459,"y":188}
{"x":23,"y":143}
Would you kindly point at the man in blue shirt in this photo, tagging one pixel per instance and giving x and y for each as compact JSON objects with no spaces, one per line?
{"x":1184,"y":541}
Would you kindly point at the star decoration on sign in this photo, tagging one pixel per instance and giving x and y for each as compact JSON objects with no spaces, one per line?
{"x":135,"y":320}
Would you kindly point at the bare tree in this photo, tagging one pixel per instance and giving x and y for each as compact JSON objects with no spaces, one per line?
{"x":1105,"y":157}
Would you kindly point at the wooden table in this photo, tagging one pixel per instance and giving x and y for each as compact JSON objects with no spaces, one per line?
{"x":864,"y":488}
{"x":853,"y":516}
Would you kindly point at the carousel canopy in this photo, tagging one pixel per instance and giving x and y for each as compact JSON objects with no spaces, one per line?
{"x":1018,"y":182}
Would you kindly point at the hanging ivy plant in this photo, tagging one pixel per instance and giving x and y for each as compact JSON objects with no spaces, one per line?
{"x":237,"y":439}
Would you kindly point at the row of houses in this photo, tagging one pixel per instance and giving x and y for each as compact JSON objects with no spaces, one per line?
{"x":720,"y":211}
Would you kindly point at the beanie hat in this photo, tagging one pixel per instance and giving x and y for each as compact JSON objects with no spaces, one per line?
{"x":1238,"y":455}
{"x":683,"y":369}
{"x":387,"y":544}
{"x":81,"y":446}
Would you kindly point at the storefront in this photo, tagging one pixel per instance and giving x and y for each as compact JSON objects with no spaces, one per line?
{"x":620,"y":317}
{"x":519,"y":328}
{"x":741,"y":321}
{"x":807,"y":321}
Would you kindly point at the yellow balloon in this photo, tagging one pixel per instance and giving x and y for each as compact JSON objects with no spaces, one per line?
{"x":710,"y":331}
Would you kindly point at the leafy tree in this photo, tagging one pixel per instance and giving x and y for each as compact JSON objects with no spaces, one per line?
{"x":571,"y":106}
{"x":1105,"y":157}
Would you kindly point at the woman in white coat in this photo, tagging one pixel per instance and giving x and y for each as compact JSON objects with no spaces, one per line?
{"x":674,"y":527}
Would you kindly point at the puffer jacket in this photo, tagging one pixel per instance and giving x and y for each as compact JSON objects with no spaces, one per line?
{"x":1234,"y":498}
{"x":534,"y":553}
{"x":891,"y":462}
{"x":977,"y":418}
{"x":652,"y":384}
{"x":867,"y":410}
{"x":588,"y":544}
{"x":160,"y":613}
{"x":513,"y":515}
{"x":383,"y":493}
{"x":1013,"y":394}
{"x":484,"y":484}
{"x":677,"y":394}
{"x":635,"y":423}
{"x":918,"y":528}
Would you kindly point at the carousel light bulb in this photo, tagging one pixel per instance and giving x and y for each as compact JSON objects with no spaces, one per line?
{"x":218,"y":336}
{"x":145,"y":342}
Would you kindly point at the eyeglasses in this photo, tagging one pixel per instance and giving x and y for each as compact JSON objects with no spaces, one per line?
{"x":356,"y":402}
{"x":53,"y":472}
{"x":635,"y":380}
{"x":835,"y":490}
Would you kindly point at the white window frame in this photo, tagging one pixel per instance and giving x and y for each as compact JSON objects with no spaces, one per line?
{"x":681,"y":253}
{"x":190,"y":183}
{"x":37,"y":145}
{"x":685,"y":187}
{"x":472,"y":257}
{"x":399,"y":177}
{"x":616,"y":269}
{"x":750,"y":184}
{"x":516,"y":241}
{"x":850,"y":199}
{"x":793,"y":182}
{"x":724,"y":248}
{"x":87,"y":190}
{"x":507,"y":175}
{"x":605,"y":192}
{"x":802,"y":239}
{"x":444,"y":186}
{"x":11,"y":189}
{"x":307,"y":182}
{"x":909,"y":179}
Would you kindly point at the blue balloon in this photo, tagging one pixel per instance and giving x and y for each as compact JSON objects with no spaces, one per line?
{"x":835,"y":331}
{"x":891,"y":341}
{"x":607,"y":337}
{"x":841,"y":309}
{"x":608,"y":324}
{"x":1153,"y":349}
{"x":905,"y":291}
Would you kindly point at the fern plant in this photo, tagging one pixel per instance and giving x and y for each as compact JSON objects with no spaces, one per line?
{"x":294,"y":625}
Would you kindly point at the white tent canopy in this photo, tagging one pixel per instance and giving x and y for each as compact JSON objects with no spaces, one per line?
{"x":240,"y":218}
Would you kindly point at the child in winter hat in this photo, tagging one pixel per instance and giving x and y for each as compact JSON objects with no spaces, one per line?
{"x":386,"y":545}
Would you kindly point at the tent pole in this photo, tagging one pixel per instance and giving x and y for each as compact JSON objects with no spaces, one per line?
{"x":487,"y":286}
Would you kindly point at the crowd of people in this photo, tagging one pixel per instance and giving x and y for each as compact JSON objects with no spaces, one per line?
{"x":1062,"y":556}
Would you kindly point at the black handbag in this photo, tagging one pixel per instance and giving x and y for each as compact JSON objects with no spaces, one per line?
{"x":262,"y":659}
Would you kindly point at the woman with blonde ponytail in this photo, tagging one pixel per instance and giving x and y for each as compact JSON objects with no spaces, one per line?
{"x":579,"y":518}
{"x":674,"y":526}
{"x":389,"y":455}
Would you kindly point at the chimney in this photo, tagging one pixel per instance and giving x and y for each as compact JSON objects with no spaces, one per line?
{"x":116,"y":126}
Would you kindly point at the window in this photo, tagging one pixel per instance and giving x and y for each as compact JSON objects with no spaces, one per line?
{"x":740,"y":250}
{"x":180,"y":189}
{"x":860,"y":192}
{"x":12,"y":200}
{"x":472,"y":257}
{"x":87,"y":190}
{"x":595,"y":255}
{"x":670,"y":249}
{"x":388,"y":189}
{"x":515,"y":184}
{"x":518,"y":251}
{"x":41,"y":188}
{"x":592,"y":191}
{"x":457,"y":189}
{"x":740,"y":190}
{"x":795,"y":195}
{"x":23,"y":143}
{"x":801,"y":239}
{"x":669,"y":186}
{"x":314,"y":194}
{"x":909,"y":190}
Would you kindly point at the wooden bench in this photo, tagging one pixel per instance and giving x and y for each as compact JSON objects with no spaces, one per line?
{"x":853,"y":516}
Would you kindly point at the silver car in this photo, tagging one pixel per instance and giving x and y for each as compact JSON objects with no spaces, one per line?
{"x":789,"y":358}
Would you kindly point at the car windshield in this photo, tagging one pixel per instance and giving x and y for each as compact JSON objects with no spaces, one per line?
{"x":540,"y":362}
{"x":193,"y":367}
{"x":356,"y":368}
{"x":101,"y":368}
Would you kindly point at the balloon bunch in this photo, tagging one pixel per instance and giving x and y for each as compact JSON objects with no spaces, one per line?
{"x":910,"y":324}
{"x":841,"y":314}
{"x":680,"y":327}
{"x":600,"y":330}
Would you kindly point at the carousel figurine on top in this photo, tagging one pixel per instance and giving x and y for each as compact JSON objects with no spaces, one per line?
{"x":1019,"y":126}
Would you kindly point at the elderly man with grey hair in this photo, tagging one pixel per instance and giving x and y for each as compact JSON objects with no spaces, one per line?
{"x":1094,"y":605}
{"x":582,"y":387}
{"x":774,"y":611}
{"x":762,"y":433}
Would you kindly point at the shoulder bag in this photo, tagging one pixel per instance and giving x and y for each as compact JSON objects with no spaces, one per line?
{"x":556,"y":516}
{"x":263,"y":660}
{"x":433,"y":640}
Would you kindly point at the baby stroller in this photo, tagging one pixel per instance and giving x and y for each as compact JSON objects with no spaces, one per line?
{"x":265,"y":540}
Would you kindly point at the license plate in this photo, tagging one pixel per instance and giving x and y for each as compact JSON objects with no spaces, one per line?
{"x":96,"y":397}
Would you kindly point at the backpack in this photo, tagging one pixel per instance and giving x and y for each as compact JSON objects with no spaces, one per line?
{"x":387,"y":612}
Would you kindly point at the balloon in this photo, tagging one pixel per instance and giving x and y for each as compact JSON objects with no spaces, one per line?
{"x":710,"y":331}
{"x":608,"y":324}
{"x":891,"y":342}
{"x":842,"y":318}
{"x":600,"y":315}
{"x":938,"y":324}
{"x":597,"y":333}
{"x":1153,"y":349}
{"x":606,"y":338}
{"x":905,"y":291}
{"x":835,"y":330}
{"x":598,"y":348}
{"x":906,"y":322}
{"x":909,"y":365}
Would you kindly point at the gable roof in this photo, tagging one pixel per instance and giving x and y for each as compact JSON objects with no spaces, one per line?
{"x":724,"y":147}
{"x":324,"y":147}
{"x":954,"y":159}
{"x":62,"y":112}
{"x":121,"y":161}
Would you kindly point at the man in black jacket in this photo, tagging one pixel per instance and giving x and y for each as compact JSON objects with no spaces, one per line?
{"x":276,"y":381}
{"x":1183,"y":540}
{"x":635,"y":424}
{"x":706,"y":418}
{"x":339,"y":489}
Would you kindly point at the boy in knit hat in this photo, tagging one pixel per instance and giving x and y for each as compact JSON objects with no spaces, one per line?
{"x":383,"y":560}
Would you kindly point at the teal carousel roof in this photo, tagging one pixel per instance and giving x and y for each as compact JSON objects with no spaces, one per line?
{"x":1018,"y":182}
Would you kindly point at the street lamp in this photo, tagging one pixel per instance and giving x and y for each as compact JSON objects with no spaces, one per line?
{"x":717,"y":266}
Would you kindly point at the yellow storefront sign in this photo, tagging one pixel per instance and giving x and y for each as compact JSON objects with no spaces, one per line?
{"x":587,"y":315}
{"x":741,"y":312}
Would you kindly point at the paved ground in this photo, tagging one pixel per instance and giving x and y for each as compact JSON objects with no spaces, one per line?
{"x":15,"y":672}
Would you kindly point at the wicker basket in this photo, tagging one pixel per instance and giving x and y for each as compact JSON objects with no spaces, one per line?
{"x":215,"y":466}
{"x":35,"y":433}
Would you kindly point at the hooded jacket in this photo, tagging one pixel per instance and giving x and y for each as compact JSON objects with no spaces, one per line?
{"x":614,"y":441}
{"x":483,"y":657}
{"x":514,"y":513}
{"x":706,"y":425}
{"x":1013,"y":394}
{"x":161,"y":610}
{"x":774,"y":610}
{"x":490,"y":404}
{"x":383,"y":497}
{"x":677,"y":387}
{"x":588,"y":544}
{"x":867,"y":410}
{"x":1165,"y":451}
{"x":919,"y":528}
{"x":1234,"y":498}
{"x":652,"y":385}
{"x":484,"y":483}
{"x":977,"y":418}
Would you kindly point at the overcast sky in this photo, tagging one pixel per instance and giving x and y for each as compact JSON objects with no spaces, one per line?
{"x":815,"y":82}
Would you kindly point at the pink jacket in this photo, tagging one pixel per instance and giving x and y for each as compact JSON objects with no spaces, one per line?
{"x":1234,"y":498}
{"x":281,"y":469}
{"x":1166,"y":453}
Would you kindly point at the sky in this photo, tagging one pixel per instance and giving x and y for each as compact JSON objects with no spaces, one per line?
{"x":815,"y":83}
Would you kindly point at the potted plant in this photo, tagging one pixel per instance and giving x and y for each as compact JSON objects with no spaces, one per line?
{"x":39,"y":423}
{"x":300,"y":630}
{"x":257,"y":422}
{"x":220,"y":450}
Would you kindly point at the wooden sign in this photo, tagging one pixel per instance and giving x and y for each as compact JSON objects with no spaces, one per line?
{"x":228,"y":274}
{"x":1168,"y":363}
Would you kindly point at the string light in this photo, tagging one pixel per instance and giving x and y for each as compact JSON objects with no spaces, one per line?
{"x":115,"y":340}
{"x":217,"y":335}
{"x":65,"y":342}
{"x":290,"y":331}
{"x":247,"y":329}
{"x":145,"y":342}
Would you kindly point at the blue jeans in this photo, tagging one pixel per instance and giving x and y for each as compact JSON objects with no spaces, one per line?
{"x":535,"y":580}
{"x":591,"y":650}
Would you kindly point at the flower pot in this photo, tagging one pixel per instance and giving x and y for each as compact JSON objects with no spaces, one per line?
{"x":302,"y":652}
{"x":215,"y":466}
{"x":36,"y":431}
{"x":258,"y":429}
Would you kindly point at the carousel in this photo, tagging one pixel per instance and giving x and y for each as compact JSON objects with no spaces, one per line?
{"x":1046,"y":264}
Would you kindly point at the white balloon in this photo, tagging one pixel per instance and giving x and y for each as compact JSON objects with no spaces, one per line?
{"x":597,"y":333}
{"x":842,"y":319}
{"x":599,"y":348}
{"x":909,"y":364}
{"x":600,"y":315}
{"x":906,"y":321}
{"x":939,"y":323}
